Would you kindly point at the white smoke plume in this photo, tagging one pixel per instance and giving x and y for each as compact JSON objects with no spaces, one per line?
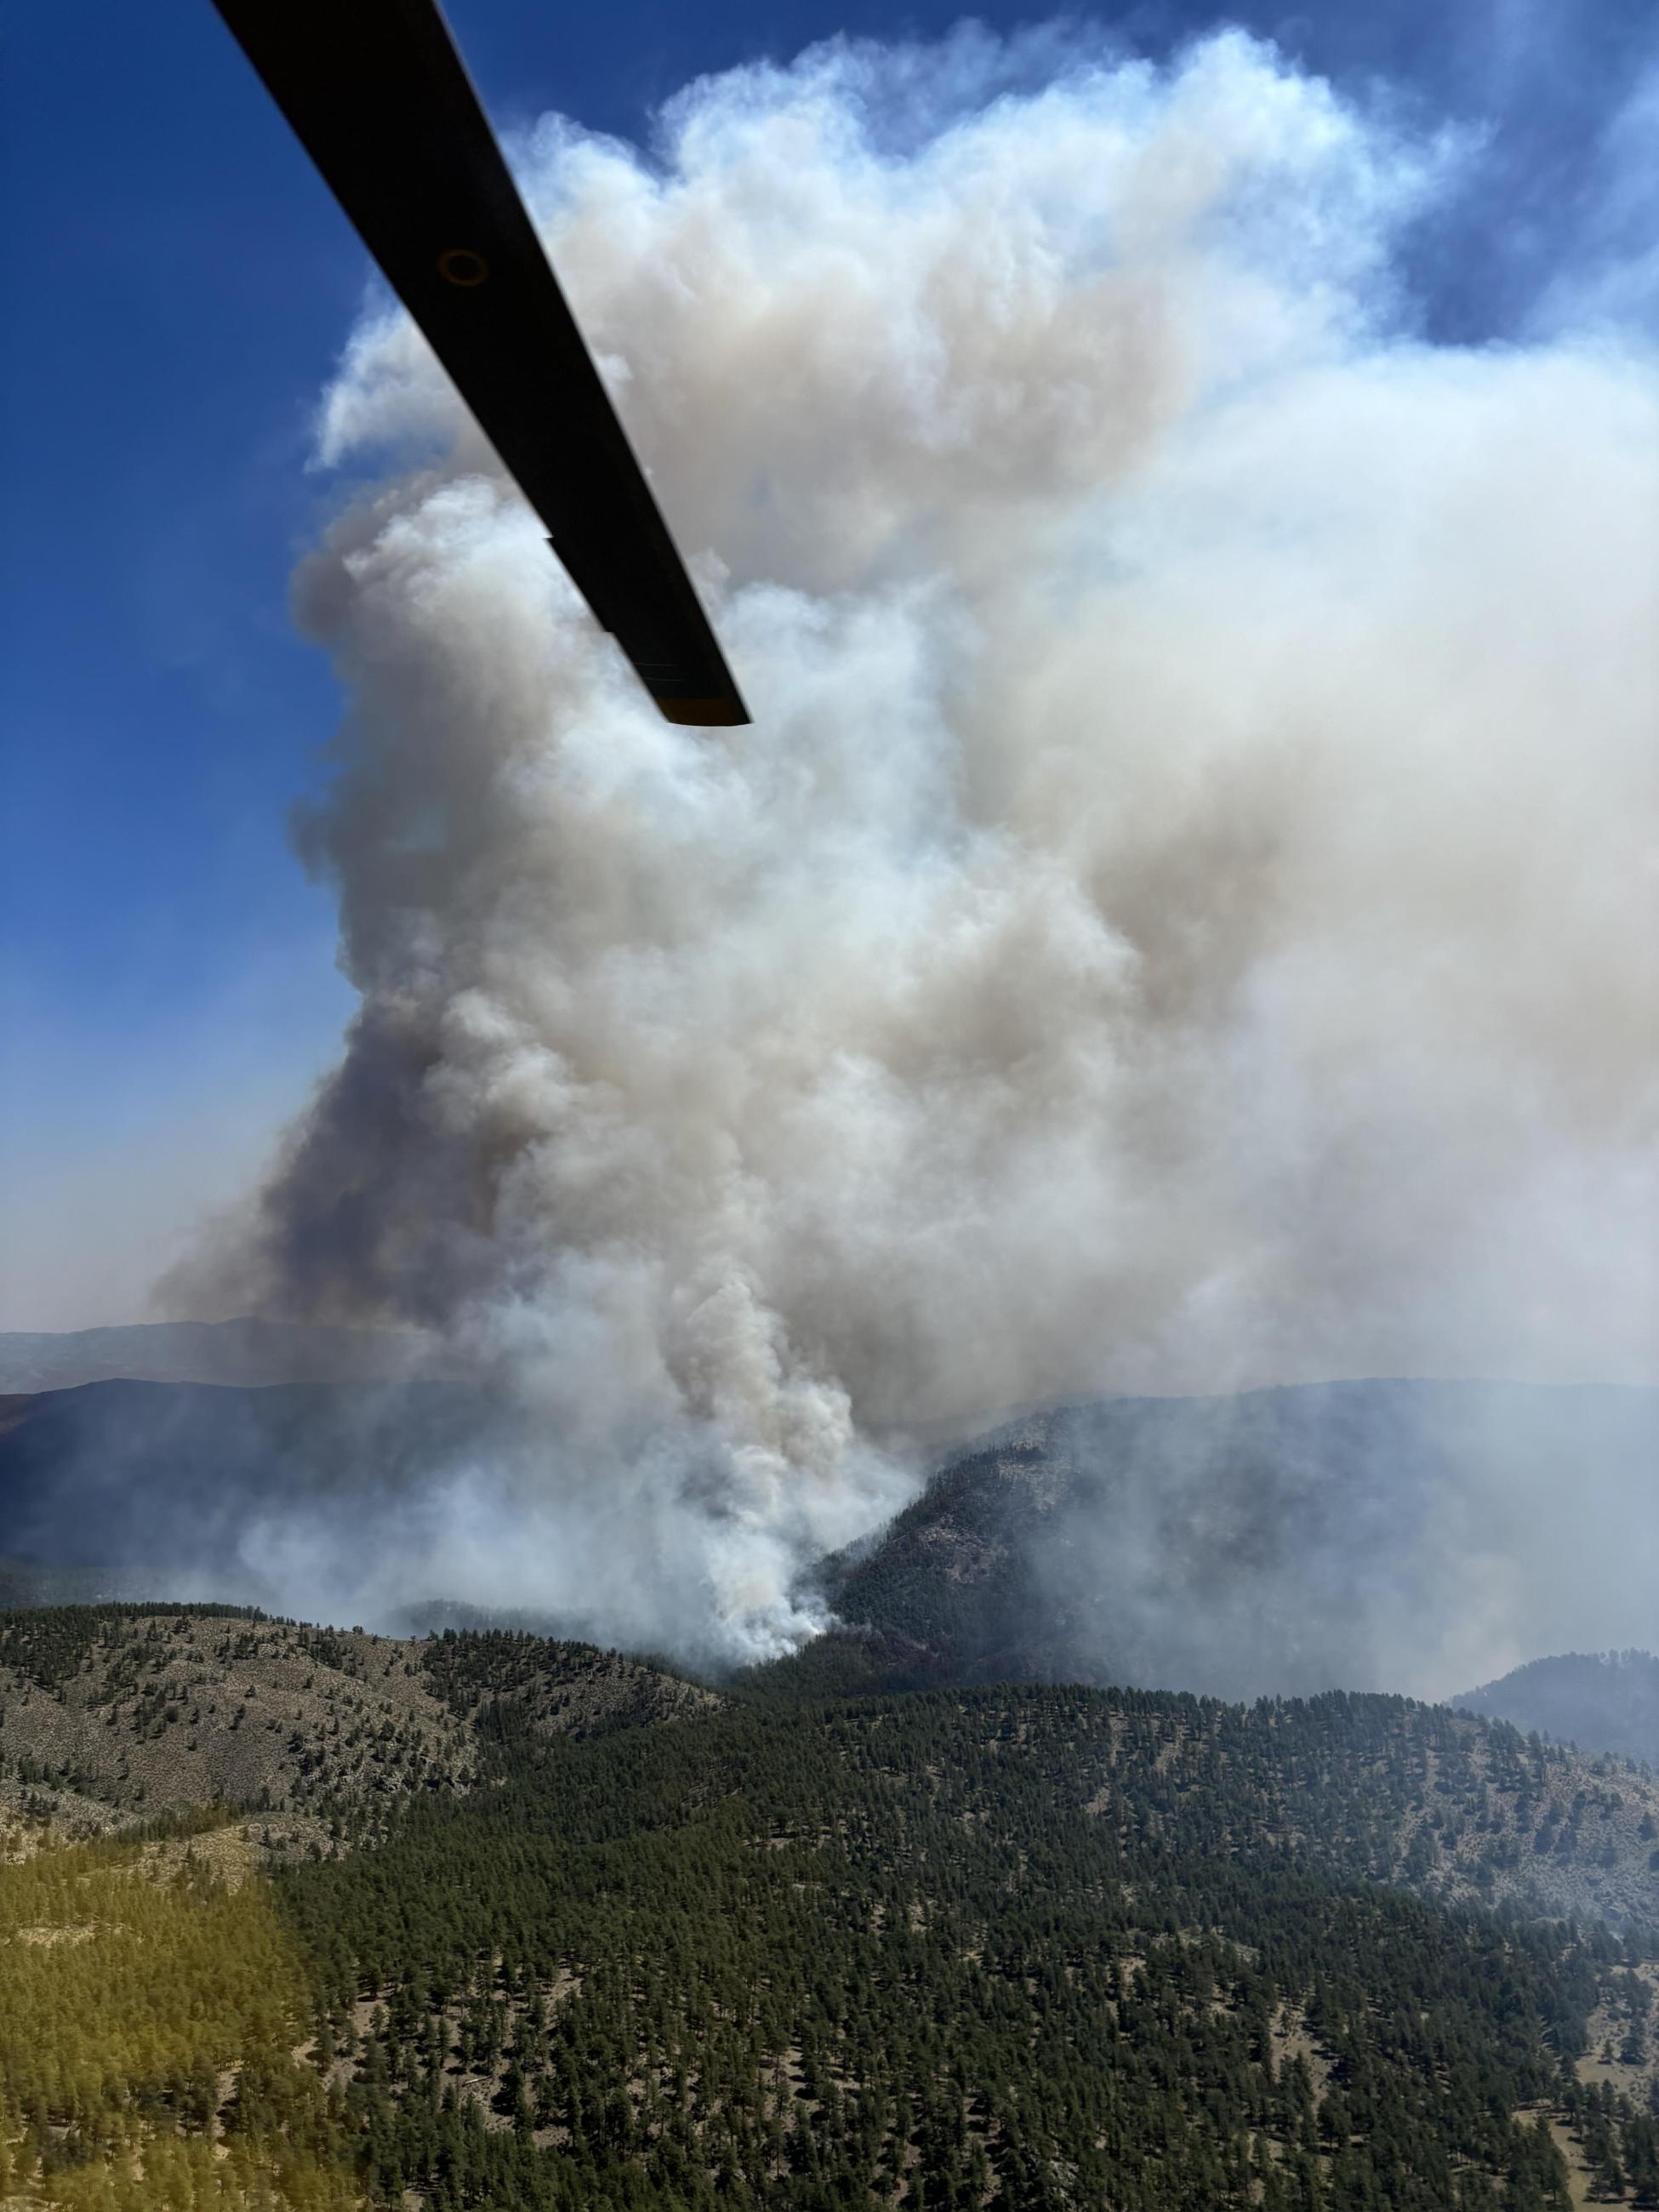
{"x":1183,"y":913}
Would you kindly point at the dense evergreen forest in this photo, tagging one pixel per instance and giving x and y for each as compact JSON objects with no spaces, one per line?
{"x":1037,"y":1946}
{"x":141,"y":1998}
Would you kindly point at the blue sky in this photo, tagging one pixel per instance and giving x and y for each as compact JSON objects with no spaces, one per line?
{"x":180,"y":286}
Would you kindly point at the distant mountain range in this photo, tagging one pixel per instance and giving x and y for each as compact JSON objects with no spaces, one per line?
{"x":127,"y":1488}
{"x":1280,"y":1542}
{"x":248,"y":1353}
{"x":1599,"y":1700}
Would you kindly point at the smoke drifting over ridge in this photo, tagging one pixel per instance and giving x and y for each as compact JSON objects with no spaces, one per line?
{"x":1182,"y":914}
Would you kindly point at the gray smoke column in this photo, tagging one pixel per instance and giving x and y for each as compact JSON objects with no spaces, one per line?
{"x":1184,"y":911}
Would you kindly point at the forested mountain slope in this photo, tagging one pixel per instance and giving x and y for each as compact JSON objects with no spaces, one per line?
{"x":1037,"y":1948}
{"x":141,"y":1711}
{"x":1026,"y":1947}
{"x":1413,"y":1794}
{"x":150,"y":2001}
{"x":1280,"y":1542}
{"x":1601,"y":1700}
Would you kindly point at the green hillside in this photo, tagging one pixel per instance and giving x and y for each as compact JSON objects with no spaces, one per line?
{"x":111,"y":1713}
{"x":1033,"y":1948}
{"x":562,"y":1930}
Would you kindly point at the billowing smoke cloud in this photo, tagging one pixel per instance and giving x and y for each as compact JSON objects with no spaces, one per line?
{"x":1183,"y":912}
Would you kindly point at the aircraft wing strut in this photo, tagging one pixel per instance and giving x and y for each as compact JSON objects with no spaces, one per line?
{"x":381,"y":100}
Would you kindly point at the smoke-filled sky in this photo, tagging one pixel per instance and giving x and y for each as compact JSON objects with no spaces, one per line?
{"x":167,"y":988}
{"x":1184,"y":914}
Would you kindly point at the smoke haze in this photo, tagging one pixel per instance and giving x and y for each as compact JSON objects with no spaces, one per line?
{"x":1183,"y":914}
{"x":1401,"y":1536}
